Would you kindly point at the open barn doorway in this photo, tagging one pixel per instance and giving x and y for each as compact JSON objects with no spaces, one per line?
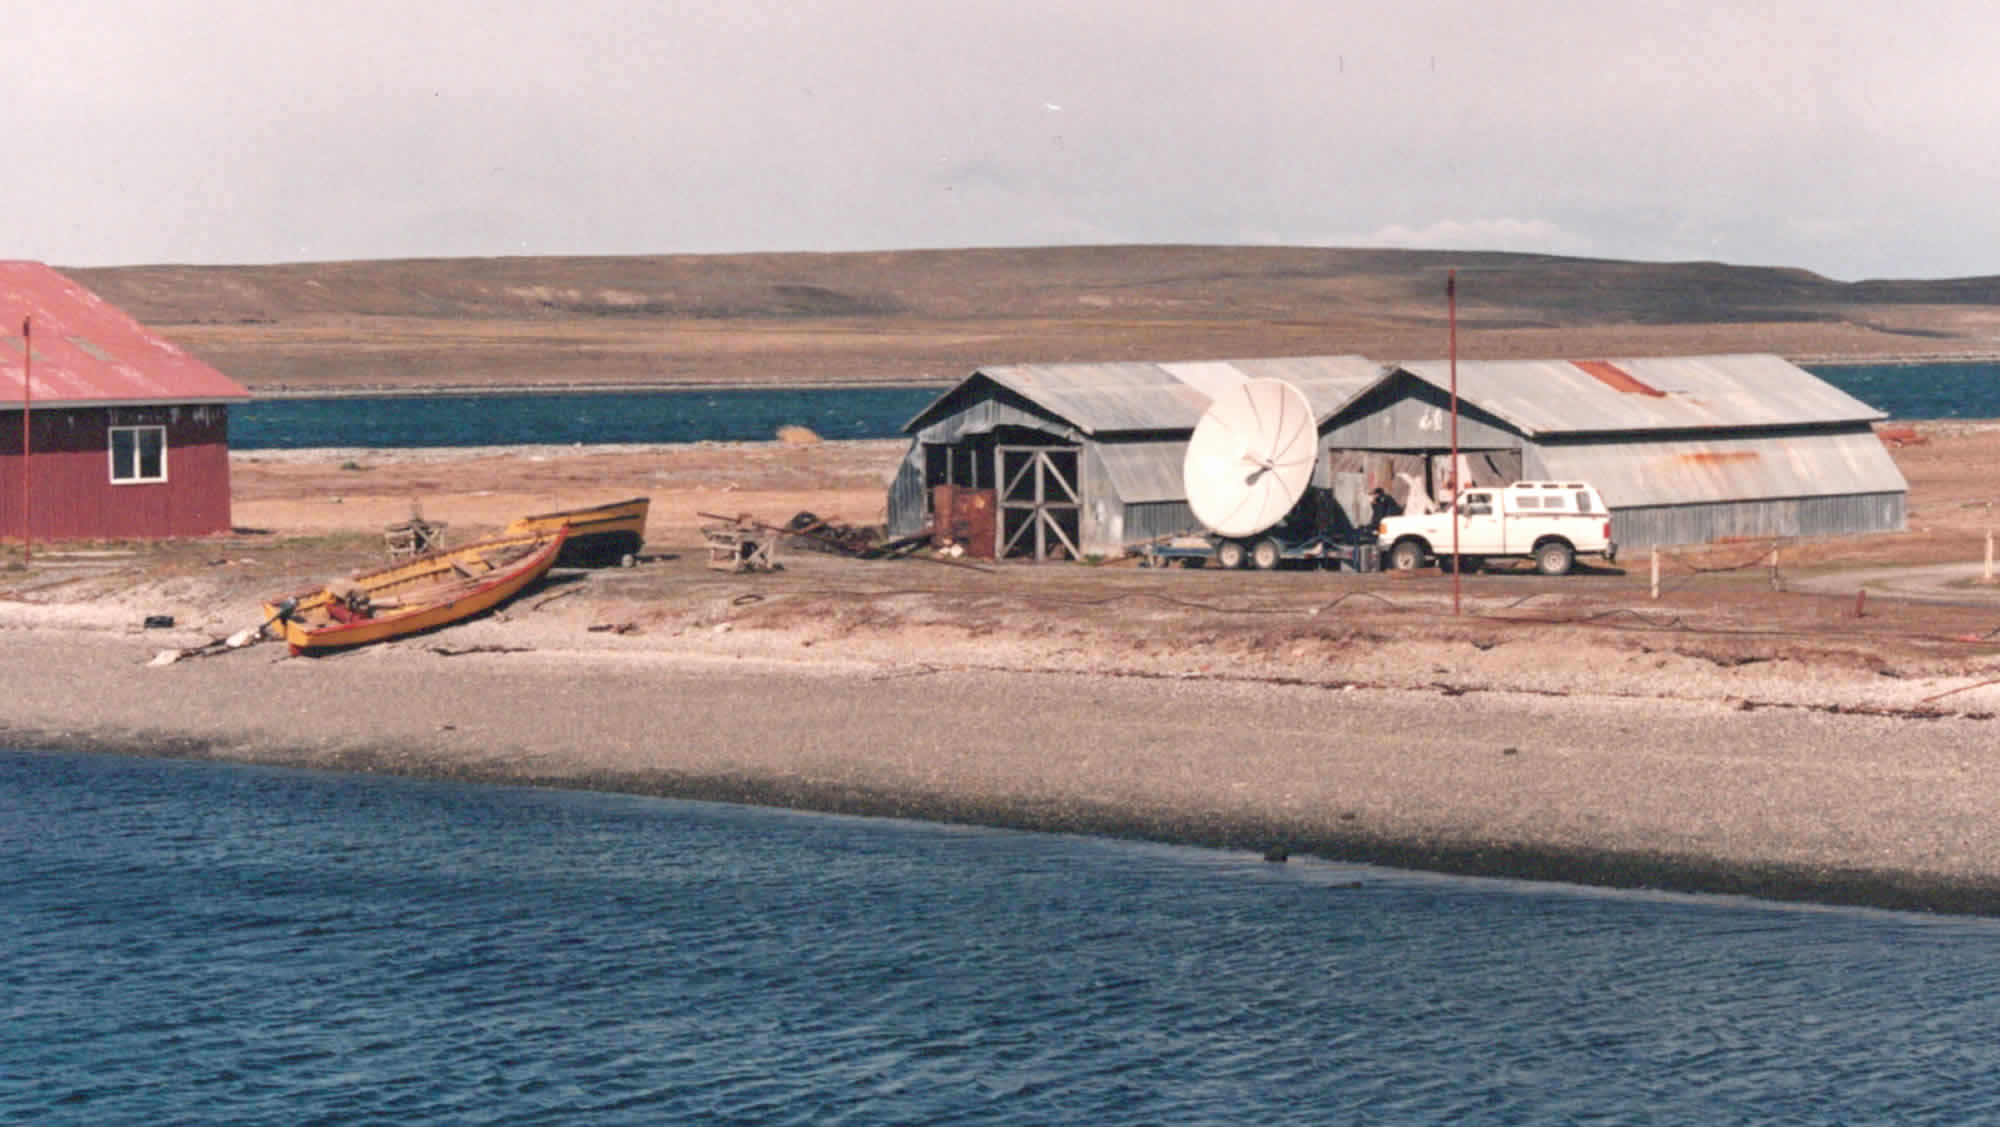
{"x":1416,"y":479}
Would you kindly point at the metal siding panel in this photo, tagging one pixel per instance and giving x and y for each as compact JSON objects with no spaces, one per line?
{"x":1784,"y":518}
{"x":1415,"y":424}
{"x":907,"y":510}
{"x":1151,"y":521}
{"x":987,"y":415}
{"x":1726,"y":468}
{"x":1138,"y":472}
{"x":72,"y":492}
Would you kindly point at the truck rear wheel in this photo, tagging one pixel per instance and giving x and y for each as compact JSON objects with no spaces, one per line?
{"x":1265,"y":554}
{"x":1407,"y":555}
{"x":1230,"y":554}
{"x":1554,"y":558}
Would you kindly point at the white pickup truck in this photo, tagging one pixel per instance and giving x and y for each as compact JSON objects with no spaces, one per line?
{"x":1550,"y":522}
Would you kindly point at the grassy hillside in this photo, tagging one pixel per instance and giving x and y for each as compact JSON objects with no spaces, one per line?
{"x":934,"y":315}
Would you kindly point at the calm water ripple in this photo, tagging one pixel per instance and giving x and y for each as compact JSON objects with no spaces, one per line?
{"x":207,"y":943}
{"x":1904,"y":391}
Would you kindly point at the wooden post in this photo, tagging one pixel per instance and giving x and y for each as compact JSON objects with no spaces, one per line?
{"x":1774,"y":567}
{"x":1656,"y":574}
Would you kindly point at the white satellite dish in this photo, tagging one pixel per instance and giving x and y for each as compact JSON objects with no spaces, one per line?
{"x":1251,"y":457}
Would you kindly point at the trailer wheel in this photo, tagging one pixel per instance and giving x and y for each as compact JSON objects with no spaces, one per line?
{"x":1230,"y":554}
{"x":1407,"y":555}
{"x":1554,"y":558}
{"x":1265,"y":554}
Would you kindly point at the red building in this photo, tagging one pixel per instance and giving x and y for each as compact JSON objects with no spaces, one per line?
{"x":127,"y":436}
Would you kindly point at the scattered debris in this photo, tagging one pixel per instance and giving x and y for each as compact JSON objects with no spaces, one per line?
{"x":159,"y":622}
{"x":414,"y":537}
{"x":249,"y":635}
{"x":807,"y":530}
{"x":461,"y":651}
{"x":741,"y":544}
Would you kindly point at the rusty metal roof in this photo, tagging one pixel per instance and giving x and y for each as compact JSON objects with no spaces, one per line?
{"x":1138,"y":397}
{"x":1543,"y":397}
{"x":90,"y":354}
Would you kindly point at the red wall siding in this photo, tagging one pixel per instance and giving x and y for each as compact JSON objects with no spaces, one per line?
{"x":72,"y":495}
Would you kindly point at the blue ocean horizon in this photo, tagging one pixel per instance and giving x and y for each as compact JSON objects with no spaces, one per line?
{"x":1906,"y":392}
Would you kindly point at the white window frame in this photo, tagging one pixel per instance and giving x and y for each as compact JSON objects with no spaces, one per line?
{"x":138,"y":446}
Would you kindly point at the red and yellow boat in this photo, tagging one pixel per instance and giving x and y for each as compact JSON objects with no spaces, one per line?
{"x":421,"y":594}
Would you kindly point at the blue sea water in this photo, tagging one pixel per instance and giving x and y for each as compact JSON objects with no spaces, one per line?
{"x":591,"y":418}
{"x":1906,"y":391}
{"x":1920,"y":391}
{"x":189,"y":942}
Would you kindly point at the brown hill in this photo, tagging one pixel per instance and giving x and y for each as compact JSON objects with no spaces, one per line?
{"x":931,"y":316}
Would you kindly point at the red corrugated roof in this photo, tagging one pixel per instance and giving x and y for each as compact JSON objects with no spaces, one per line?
{"x":89,"y":353}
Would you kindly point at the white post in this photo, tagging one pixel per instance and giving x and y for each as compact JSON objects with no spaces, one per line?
{"x":1656,"y":573}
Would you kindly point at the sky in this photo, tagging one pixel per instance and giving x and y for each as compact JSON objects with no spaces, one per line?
{"x":1857,"y":140}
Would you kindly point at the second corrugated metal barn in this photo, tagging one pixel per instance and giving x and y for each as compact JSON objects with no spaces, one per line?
{"x":1685,"y":450}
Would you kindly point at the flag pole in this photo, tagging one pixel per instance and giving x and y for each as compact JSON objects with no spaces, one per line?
{"x":27,"y":404}
{"x":1457,"y":486}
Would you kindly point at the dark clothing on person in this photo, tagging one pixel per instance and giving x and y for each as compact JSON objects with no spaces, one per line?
{"x":1382,"y":505}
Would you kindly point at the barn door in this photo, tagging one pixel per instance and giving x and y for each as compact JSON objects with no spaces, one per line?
{"x":1040,"y":501}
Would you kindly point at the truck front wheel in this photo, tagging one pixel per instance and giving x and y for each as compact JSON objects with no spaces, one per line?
{"x":1407,"y":555}
{"x":1554,"y":558}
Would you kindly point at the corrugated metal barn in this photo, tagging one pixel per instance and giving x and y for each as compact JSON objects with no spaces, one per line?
{"x":128,"y":435}
{"x":1685,"y":450}
{"x":1085,"y":459}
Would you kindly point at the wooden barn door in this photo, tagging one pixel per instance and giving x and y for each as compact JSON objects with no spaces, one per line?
{"x":1041,"y":506}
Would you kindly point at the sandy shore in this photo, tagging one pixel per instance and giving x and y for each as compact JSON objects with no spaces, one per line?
{"x":1726,"y":737}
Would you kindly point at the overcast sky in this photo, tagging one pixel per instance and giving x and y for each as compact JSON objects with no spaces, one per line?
{"x":1854,"y":139}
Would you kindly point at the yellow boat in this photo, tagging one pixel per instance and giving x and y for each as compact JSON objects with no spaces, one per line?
{"x":422,"y":594}
{"x":598,"y":536}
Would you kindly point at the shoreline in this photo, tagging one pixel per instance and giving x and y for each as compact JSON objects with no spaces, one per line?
{"x":1784,"y":802}
{"x":1622,"y":870}
{"x":1745,"y":732}
{"x":1612,"y":869}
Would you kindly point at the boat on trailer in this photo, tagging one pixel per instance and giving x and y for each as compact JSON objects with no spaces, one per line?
{"x":599,"y":536}
{"x":415,"y":596}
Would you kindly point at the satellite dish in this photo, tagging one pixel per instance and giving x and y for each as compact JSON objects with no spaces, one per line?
{"x":1251,"y":457}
